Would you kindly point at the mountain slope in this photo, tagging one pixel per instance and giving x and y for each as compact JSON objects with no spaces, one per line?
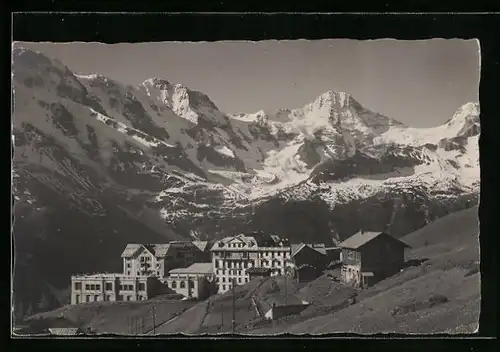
{"x":440,"y":296}
{"x":160,"y":161}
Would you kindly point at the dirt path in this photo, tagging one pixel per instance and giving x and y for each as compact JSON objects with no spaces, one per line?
{"x":188,"y":322}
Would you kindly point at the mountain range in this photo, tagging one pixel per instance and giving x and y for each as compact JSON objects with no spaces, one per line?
{"x":98,"y":164}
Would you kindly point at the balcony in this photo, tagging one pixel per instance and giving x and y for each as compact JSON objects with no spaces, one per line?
{"x":236,"y":256}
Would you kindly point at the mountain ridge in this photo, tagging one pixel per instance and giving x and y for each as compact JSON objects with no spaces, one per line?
{"x":169,"y":161}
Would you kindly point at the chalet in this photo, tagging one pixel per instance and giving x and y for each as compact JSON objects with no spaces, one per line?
{"x":308,"y":261}
{"x":368,"y":257}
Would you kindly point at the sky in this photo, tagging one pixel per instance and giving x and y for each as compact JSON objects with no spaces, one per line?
{"x":420,"y":83}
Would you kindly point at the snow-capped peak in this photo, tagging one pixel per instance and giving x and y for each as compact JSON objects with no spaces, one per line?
{"x":331,"y":97}
{"x":157,"y":82}
{"x":466,"y":111}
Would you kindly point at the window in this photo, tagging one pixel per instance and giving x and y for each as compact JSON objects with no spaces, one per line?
{"x":239,"y":280}
{"x":183,"y":284}
{"x":142,"y":259}
{"x":223,"y":279}
{"x":246,"y":279}
{"x":223,"y":287}
{"x":217,"y":279}
{"x":109,"y":286}
{"x":87,"y":298}
{"x":129,"y":265}
{"x":78,"y":285}
{"x":87,"y":286}
{"x":77,"y":298}
{"x":142,"y":286}
{"x":97,"y":287}
{"x":158,"y":272}
{"x":130,"y":287}
{"x":174,"y":284}
{"x":128,"y":273}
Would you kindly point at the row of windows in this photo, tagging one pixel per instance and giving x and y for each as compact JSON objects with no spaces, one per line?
{"x":96,"y":298}
{"x":148,"y":272}
{"x":108,"y":286}
{"x":182,"y":284}
{"x":276,"y":254}
{"x":262,"y":254}
{"x":92,"y":287}
{"x":233,"y":265}
{"x":230,"y":271}
{"x":239,"y":280}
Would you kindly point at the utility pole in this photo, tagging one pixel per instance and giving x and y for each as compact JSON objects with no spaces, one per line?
{"x":234,"y":306}
{"x":221,"y":315}
{"x":286,"y":288}
{"x":154,"y":319}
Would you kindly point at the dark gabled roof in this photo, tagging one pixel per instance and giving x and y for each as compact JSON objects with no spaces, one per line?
{"x":361,"y":238}
{"x":296,"y":248}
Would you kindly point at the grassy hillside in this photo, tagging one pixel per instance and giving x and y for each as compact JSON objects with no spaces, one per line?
{"x":439,"y":291}
{"x":122,"y":318}
{"x":442,"y":294}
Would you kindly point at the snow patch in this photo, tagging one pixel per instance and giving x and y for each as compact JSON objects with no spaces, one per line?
{"x":225,"y":151}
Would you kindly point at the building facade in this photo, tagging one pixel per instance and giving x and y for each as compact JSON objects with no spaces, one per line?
{"x":231,"y":257}
{"x":112,"y":287}
{"x":368,"y":257}
{"x":158,"y":259}
{"x":196,"y":281}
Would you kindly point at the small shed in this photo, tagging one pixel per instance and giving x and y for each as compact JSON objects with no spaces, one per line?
{"x":278,"y":306}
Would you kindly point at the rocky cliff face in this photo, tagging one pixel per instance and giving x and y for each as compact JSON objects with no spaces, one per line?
{"x":98,"y":164}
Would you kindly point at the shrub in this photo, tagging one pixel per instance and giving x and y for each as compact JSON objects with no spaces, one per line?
{"x":437,"y":299}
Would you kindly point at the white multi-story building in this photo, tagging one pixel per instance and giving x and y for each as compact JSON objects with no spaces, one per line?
{"x":145,"y":267}
{"x":231,"y":257}
{"x":112,"y":287}
{"x":158,"y":259}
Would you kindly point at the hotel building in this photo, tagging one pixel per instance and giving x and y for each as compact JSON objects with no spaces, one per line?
{"x":231,"y":257}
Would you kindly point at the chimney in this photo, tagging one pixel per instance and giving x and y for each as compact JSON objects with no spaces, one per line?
{"x":362,"y":231}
